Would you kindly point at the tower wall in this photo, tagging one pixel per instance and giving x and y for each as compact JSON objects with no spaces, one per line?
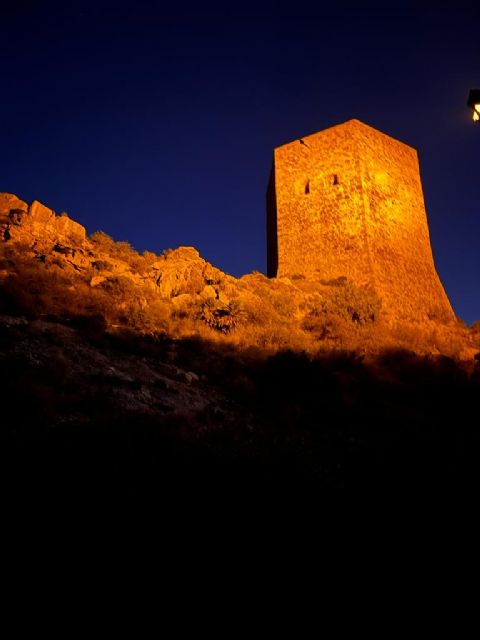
{"x":348,"y":201}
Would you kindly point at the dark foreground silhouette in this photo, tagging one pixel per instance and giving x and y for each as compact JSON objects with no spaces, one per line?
{"x":99,"y":418}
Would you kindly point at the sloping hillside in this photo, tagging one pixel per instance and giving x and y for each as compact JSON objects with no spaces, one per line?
{"x":108,"y":416}
{"x":129,"y":377}
{"x":49,"y":266}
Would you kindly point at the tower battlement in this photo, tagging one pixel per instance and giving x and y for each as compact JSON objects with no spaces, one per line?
{"x":348,"y":201}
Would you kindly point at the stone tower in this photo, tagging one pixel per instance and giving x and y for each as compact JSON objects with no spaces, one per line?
{"x":348,"y":201}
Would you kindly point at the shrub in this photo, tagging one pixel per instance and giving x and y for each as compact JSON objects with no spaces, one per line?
{"x":149,"y":257}
{"x":360,"y":305}
{"x":152,"y":316}
{"x":120,"y":250}
{"x":223,"y":317}
{"x":102,"y":240}
{"x":475,"y":328}
{"x":101,"y":265}
{"x":341,"y":313}
{"x":336,"y":282}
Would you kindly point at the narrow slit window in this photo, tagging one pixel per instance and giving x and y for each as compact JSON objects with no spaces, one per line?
{"x":335,"y":179}
{"x":307,"y":186}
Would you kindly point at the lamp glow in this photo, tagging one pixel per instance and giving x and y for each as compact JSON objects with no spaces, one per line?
{"x":474,"y":104}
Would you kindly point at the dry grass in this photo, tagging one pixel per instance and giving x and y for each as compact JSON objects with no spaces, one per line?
{"x":255,"y":311}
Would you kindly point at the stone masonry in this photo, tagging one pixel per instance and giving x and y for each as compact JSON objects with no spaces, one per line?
{"x":348,"y":202}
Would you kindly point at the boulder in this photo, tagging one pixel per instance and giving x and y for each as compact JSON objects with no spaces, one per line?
{"x":183,"y":253}
{"x":183,"y":271}
{"x":70,"y":229}
{"x":11,"y":211}
{"x":29,"y":223}
{"x":59,"y":226}
{"x":40,"y":214}
{"x":96,"y":280}
{"x":208,"y":292}
{"x":9,"y":201}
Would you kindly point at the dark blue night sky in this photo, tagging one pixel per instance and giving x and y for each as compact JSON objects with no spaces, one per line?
{"x":157,"y":124}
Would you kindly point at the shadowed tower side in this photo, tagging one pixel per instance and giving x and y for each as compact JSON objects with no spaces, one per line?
{"x":348,"y":201}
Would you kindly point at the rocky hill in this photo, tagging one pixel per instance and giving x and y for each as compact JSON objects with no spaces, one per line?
{"x":128,"y":378}
{"x":50,"y":266}
{"x":102,"y":417}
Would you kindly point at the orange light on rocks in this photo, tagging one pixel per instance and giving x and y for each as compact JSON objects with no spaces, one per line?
{"x":474,"y":104}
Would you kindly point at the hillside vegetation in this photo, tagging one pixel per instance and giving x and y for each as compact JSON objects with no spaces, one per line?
{"x":49,"y":267}
{"x":130,"y":377}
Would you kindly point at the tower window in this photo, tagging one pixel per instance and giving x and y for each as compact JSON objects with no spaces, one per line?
{"x":307,"y":186}
{"x":335,"y":179}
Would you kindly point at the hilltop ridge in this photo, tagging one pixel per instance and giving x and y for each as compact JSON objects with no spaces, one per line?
{"x":132,"y":378}
{"x":51,"y":266}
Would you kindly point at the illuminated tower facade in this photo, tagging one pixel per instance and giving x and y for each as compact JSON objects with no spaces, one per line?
{"x":348,"y":202}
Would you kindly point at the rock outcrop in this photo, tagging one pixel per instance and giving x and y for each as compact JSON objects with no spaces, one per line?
{"x":50,"y":266}
{"x":36,"y":223}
